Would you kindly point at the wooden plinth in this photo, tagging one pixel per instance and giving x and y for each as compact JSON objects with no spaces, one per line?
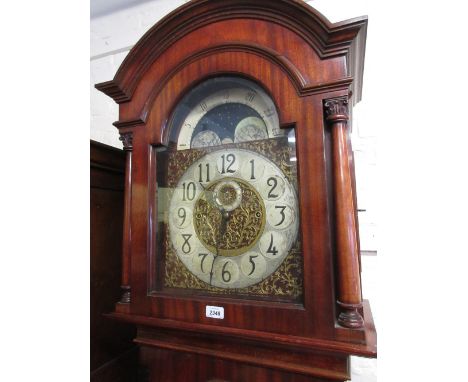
{"x":172,"y":351}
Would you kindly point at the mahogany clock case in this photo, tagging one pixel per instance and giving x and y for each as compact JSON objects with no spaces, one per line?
{"x":259,"y":253}
{"x":312,"y":70}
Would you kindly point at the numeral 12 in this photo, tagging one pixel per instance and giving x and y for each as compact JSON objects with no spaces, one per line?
{"x":230,"y":158}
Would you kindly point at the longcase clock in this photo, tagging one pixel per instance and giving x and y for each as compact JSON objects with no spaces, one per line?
{"x":241,"y":250}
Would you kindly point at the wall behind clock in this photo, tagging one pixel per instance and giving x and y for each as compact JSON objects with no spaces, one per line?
{"x":117,"y":25}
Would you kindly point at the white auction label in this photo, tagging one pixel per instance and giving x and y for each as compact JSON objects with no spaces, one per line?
{"x":215,"y":312}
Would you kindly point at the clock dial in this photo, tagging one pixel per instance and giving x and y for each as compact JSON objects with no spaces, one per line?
{"x":228,"y":231}
{"x":232,"y":209}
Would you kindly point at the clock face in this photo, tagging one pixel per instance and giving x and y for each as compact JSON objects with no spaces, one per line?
{"x":232,"y":212}
{"x":233,"y":218}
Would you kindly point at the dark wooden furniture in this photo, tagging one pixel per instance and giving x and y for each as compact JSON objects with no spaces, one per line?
{"x":113,"y":354}
{"x":313,"y":71}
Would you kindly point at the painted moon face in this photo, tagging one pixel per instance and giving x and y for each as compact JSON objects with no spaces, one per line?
{"x":205,"y":139}
{"x":250,"y":129}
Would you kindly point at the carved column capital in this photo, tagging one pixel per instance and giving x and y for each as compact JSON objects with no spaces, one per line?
{"x":336,"y":109}
{"x":127,"y":141}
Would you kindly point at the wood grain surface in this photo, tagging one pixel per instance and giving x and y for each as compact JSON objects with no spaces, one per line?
{"x":300,"y":60}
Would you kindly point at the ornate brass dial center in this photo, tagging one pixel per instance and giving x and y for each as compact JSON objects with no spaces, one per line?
{"x":242,"y":227}
{"x":227,"y":195}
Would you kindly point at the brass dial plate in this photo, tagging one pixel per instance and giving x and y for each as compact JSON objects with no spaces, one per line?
{"x":243,"y":252}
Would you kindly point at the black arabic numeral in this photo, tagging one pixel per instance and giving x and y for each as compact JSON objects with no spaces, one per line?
{"x":283,"y":216}
{"x":186,"y":248}
{"x":231,"y":159}
{"x":252,"y":262}
{"x":189,"y":191}
{"x":203,"y":260}
{"x":183,"y":215}
{"x":200,"y":167}
{"x":225,"y":272}
{"x":273,"y":183}
{"x":272,"y":249}
{"x":252,"y":169}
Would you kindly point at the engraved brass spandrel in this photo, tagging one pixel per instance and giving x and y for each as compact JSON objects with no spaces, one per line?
{"x":277,"y":150}
{"x":285,"y":282}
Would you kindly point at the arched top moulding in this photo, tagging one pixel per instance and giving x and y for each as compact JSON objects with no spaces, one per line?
{"x":327,"y":40}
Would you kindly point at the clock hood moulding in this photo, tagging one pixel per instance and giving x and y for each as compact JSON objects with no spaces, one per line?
{"x":345,"y":38}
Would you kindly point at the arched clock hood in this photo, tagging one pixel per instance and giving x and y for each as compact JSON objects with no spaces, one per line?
{"x":308,"y":72}
{"x":328,"y":40}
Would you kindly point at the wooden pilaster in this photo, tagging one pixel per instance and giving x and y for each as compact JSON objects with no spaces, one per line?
{"x":126,"y":139}
{"x":349,"y":298}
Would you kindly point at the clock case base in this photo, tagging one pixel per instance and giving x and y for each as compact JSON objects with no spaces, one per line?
{"x":177,"y":351}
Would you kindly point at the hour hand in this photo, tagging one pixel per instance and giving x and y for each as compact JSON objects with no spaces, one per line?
{"x":224,"y":220}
